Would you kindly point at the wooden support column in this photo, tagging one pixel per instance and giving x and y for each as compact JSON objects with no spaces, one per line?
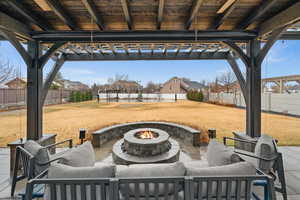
{"x":253,"y":90}
{"x":34,"y":93}
{"x":58,"y":64}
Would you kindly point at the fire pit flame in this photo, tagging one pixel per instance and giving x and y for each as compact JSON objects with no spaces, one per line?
{"x":146,"y":135}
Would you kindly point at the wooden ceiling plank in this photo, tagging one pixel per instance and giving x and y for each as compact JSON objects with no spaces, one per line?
{"x":62,"y":14}
{"x":287,"y":17}
{"x":222,"y":17}
{"x":225,"y":6}
{"x":43,"y":5}
{"x":256,"y":13}
{"x":160,"y":13}
{"x":127,"y":13}
{"x":194,"y":11}
{"x":90,"y":6}
{"x":29,"y":15}
{"x":13,"y":25}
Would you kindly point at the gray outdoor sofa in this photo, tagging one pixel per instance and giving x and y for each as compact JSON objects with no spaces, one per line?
{"x":182,"y":188}
{"x":81,"y":178}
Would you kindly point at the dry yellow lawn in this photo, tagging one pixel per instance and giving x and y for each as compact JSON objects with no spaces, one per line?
{"x":65,"y":120}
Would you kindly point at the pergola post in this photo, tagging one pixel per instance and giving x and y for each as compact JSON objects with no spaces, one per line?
{"x":34,"y":93}
{"x":253,"y":90}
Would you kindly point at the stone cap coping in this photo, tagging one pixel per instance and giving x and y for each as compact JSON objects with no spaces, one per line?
{"x":149,"y":159}
{"x":189,"y":129}
{"x":162,"y":136}
{"x":43,"y":138}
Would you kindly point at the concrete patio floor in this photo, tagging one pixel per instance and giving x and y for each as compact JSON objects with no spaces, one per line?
{"x":291,"y":156}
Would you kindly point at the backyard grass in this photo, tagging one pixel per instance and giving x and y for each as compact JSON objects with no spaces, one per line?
{"x":67,"y":119}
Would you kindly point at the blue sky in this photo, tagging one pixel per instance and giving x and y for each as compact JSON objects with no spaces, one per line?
{"x":283,"y":59}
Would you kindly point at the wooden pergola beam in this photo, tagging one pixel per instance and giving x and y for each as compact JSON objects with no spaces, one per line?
{"x":256,"y":13}
{"x":29,"y":15}
{"x":287,"y":17}
{"x":57,"y":66}
{"x":160,"y":13}
{"x":11,"y":37}
{"x":148,"y":56}
{"x":90,"y":6}
{"x":10,"y":24}
{"x":223,"y":16}
{"x":62,"y":14}
{"x":127,"y":14}
{"x":194,"y":11}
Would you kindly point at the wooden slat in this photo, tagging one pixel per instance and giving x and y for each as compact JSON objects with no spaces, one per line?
{"x":224,"y":15}
{"x":29,"y":14}
{"x":90,"y":6}
{"x":225,"y":6}
{"x":127,"y":14}
{"x":62,"y":14}
{"x":15,"y":26}
{"x":287,"y":17}
{"x":256,"y":13}
{"x":160,"y":13}
{"x":193,"y":13}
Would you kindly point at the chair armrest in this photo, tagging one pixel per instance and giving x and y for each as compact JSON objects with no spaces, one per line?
{"x":236,"y":139}
{"x":70,"y":141}
{"x":254,"y":156}
{"x":48,"y":162}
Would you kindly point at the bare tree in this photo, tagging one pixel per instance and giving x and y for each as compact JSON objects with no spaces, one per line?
{"x":227,"y":79}
{"x":152,"y":87}
{"x":7,"y":71}
{"x":118,"y":77}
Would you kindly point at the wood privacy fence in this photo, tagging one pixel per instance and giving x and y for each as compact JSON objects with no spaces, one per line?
{"x":17,"y":97}
{"x":271,"y":102}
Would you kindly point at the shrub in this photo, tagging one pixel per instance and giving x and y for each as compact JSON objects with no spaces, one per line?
{"x":195,"y":96}
{"x":72,"y":96}
{"x":78,"y":96}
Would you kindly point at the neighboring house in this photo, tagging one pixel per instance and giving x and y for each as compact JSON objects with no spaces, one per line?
{"x":232,"y":88}
{"x":74,"y":85}
{"x":126,"y":86}
{"x":120,"y":86}
{"x":16,"y":83}
{"x":19,"y":83}
{"x":181,"y":85}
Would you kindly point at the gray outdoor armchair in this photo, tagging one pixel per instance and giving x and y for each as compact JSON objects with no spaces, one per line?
{"x":30,"y":165}
{"x":270,"y":163}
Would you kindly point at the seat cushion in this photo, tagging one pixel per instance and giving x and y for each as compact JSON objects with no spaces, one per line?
{"x":265,"y":148}
{"x":40,"y":154}
{"x":57,"y":170}
{"x":196,"y":164}
{"x":81,"y":156}
{"x":218,"y":154}
{"x":236,"y":169}
{"x":180,"y":196}
{"x":149,"y":170}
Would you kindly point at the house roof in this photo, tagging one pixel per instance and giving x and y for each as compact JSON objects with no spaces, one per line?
{"x":24,"y":80}
{"x":194,"y":84}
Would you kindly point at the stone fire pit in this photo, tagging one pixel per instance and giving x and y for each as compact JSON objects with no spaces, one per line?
{"x":145,"y":145}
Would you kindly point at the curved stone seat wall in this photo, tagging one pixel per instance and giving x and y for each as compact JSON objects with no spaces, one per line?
{"x":186,"y":134}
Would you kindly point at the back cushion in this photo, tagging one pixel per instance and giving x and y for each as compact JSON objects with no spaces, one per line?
{"x":100,"y":170}
{"x":265,"y":148}
{"x":81,"y":156}
{"x":149,"y":170}
{"x":218,"y":154}
{"x":236,"y":169}
{"x":40,"y":154}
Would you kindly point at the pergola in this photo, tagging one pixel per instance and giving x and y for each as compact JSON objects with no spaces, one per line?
{"x":82,"y":30}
